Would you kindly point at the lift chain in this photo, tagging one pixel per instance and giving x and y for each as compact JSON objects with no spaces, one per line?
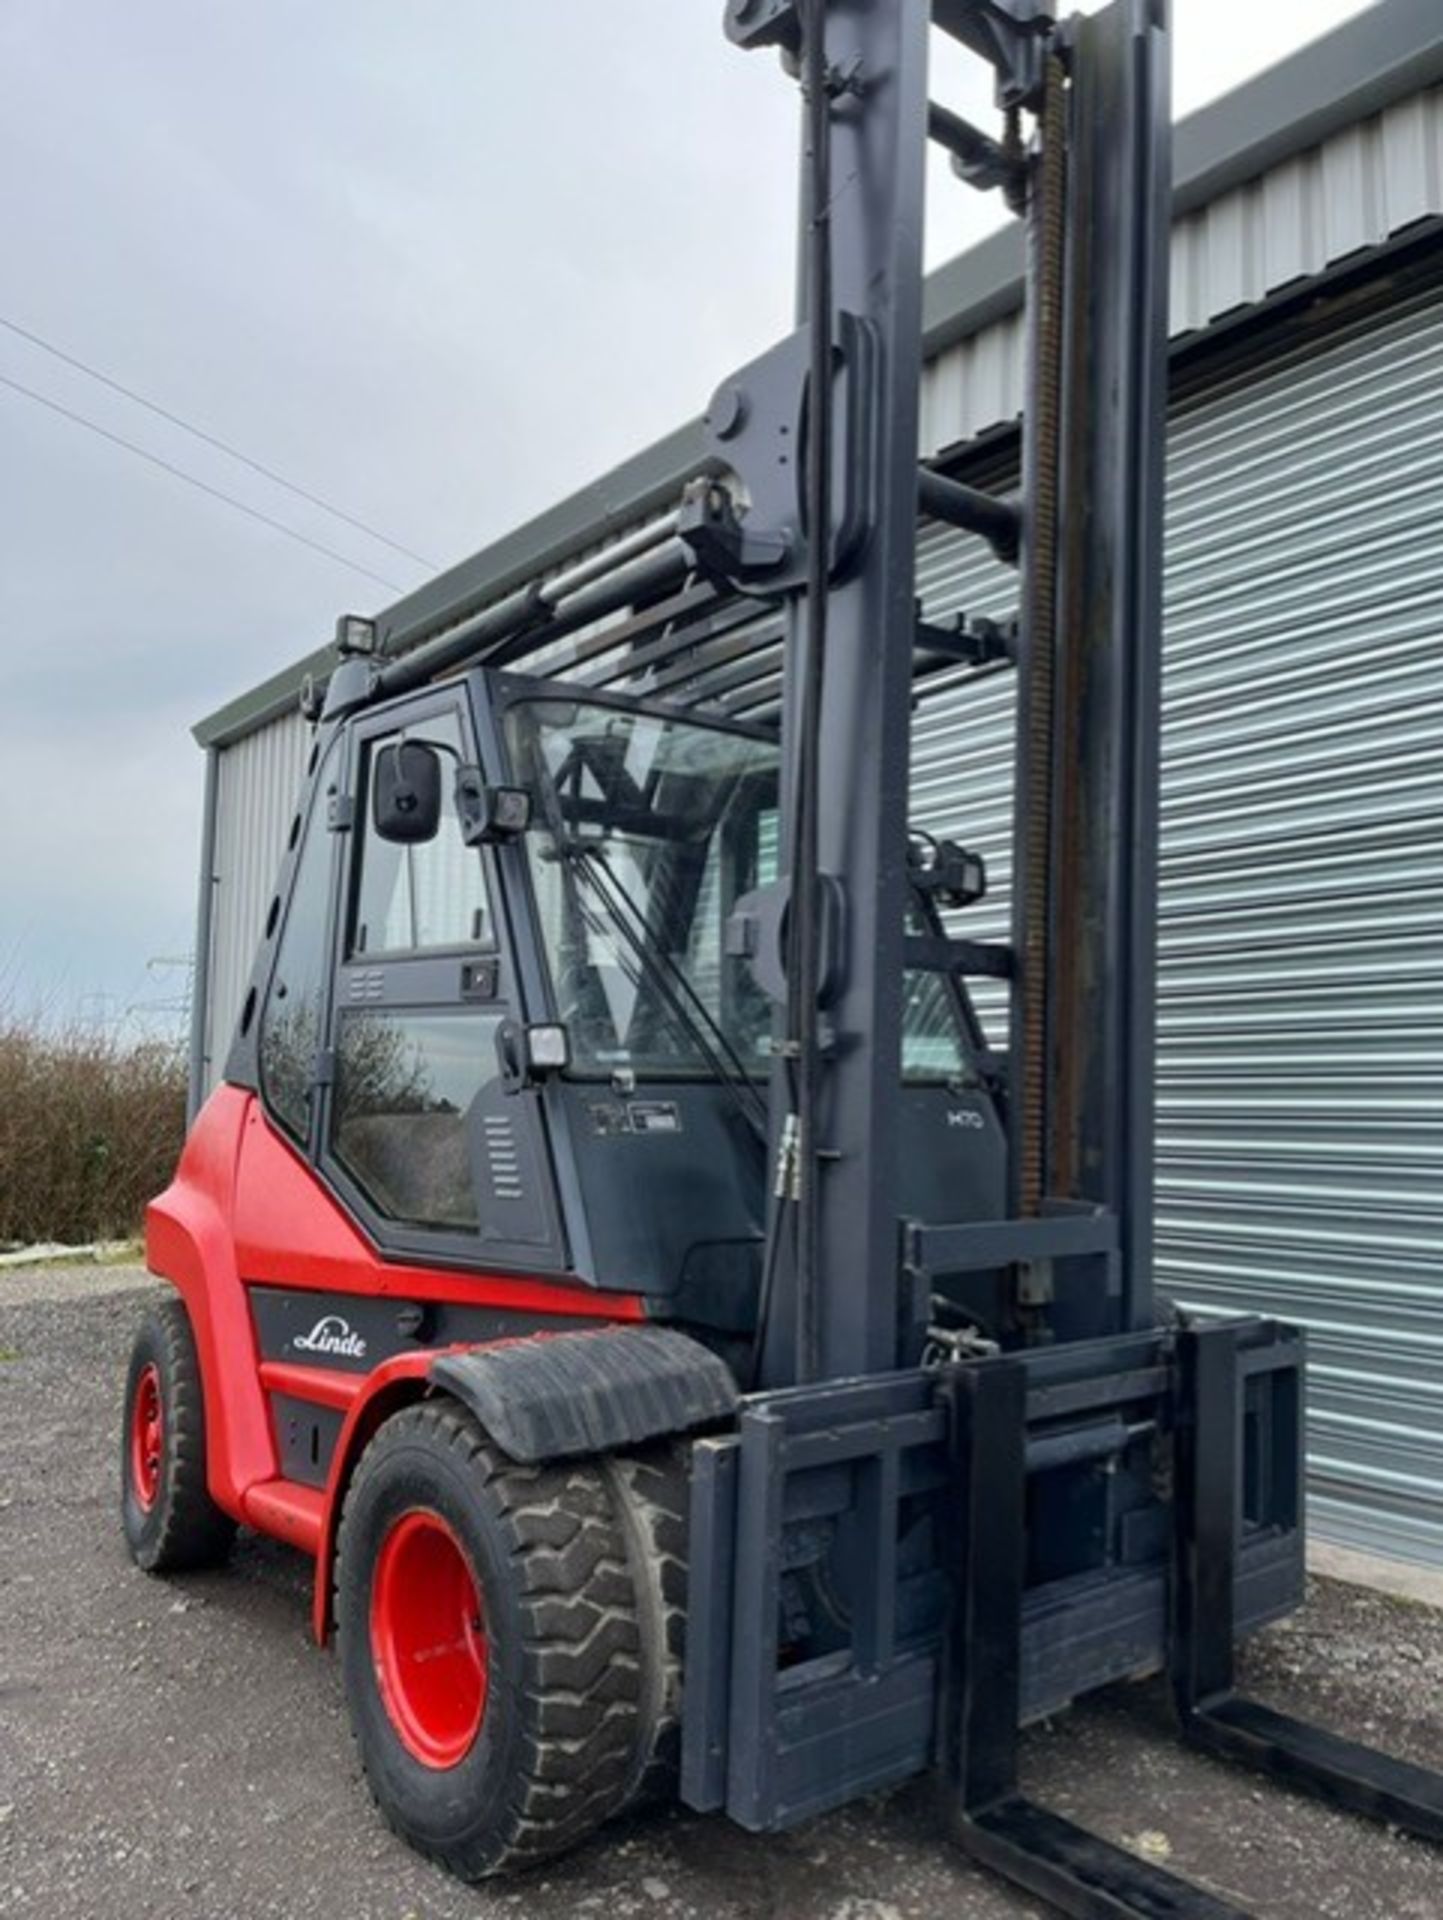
{"x":1046,"y":238}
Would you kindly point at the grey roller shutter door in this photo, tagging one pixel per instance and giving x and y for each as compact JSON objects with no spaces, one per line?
{"x":1301,"y":984}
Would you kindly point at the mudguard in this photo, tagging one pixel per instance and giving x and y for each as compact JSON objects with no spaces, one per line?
{"x":556,"y":1395}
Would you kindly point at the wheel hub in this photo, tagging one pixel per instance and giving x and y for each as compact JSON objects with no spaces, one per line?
{"x":147,"y":1436}
{"x":428,"y":1639}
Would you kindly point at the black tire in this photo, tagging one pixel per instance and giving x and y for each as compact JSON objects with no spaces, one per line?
{"x":171,"y":1523}
{"x":652,"y":1491}
{"x":554,"y":1753}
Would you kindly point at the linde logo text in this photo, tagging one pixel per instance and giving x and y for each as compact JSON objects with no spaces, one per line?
{"x":331,"y":1335}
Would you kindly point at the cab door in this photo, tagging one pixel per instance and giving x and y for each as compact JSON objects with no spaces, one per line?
{"x":418,"y":1135}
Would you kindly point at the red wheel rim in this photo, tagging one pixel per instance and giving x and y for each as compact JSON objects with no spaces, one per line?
{"x":147,"y":1436}
{"x":428,"y":1639}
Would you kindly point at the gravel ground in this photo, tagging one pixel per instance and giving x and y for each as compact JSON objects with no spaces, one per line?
{"x":180,"y":1748}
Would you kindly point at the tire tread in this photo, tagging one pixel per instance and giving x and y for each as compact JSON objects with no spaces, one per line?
{"x":653,"y":1493}
{"x":193,"y":1531}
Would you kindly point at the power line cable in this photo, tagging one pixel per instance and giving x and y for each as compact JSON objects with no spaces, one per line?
{"x":211,"y":440}
{"x":190,"y":479}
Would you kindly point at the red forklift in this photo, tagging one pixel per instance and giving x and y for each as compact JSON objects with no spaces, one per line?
{"x":702,"y":1358}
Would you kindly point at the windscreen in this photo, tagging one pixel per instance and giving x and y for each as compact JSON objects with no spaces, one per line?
{"x":647,"y":831}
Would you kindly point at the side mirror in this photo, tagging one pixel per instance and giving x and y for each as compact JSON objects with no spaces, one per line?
{"x":406,"y":793}
{"x":489,"y":815}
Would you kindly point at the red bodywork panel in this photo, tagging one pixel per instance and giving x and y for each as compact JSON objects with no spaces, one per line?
{"x":245,"y":1209}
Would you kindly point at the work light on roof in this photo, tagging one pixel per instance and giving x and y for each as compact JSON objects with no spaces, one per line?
{"x":355,"y":633}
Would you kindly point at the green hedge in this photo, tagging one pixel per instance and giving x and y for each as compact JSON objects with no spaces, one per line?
{"x":90,"y":1128}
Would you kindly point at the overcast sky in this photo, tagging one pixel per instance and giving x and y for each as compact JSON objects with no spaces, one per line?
{"x":439,"y":262}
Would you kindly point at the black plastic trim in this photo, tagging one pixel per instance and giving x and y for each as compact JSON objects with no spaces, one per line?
{"x":578,"y":1393}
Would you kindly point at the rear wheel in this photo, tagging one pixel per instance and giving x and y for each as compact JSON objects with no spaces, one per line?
{"x":170,"y":1521}
{"x":489,"y":1642}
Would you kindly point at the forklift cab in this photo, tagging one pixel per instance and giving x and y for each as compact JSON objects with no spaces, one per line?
{"x":515,"y":1006}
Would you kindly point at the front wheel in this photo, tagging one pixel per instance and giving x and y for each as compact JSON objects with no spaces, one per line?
{"x":489,"y":1642}
{"x":170,"y":1521}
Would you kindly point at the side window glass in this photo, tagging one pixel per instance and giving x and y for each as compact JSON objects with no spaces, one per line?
{"x":409,"y":899}
{"x":291,"y":1021}
{"x":407,"y":1124}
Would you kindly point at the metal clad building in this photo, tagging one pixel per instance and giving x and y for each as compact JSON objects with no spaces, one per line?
{"x":1301,"y":984}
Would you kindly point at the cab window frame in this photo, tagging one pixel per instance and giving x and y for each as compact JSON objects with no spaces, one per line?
{"x":406,"y":984}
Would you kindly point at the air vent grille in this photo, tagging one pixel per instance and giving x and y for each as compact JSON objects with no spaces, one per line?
{"x":503,"y":1159}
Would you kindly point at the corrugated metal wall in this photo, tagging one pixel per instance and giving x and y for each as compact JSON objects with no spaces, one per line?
{"x":1359,"y":189}
{"x":1301,"y":926}
{"x":259,"y":779}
